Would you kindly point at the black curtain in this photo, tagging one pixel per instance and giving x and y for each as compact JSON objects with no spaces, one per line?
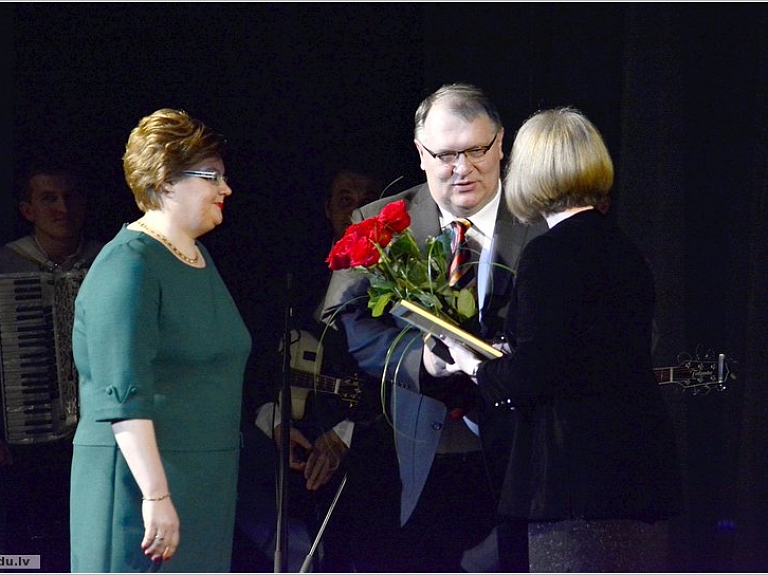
{"x":694,"y":166}
{"x":679,"y":92}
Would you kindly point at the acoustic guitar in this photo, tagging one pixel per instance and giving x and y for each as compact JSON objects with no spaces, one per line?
{"x":306,"y":359}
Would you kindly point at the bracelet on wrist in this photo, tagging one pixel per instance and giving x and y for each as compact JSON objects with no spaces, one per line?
{"x":166,"y":496}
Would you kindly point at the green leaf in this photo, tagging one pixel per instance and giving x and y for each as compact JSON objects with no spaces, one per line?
{"x":379,"y":303}
{"x":465,"y":303}
{"x":406,"y":271}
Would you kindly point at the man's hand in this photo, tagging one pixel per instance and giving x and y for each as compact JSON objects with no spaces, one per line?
{"x":435,"y":365}
{"x":298,"y":449}
{"x":464,"y":360}
{"x":324,"y":459}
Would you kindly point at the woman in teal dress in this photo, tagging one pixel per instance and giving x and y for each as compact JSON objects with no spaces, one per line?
{"x":160,"y":348}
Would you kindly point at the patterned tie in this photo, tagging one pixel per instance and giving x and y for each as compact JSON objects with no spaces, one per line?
{"x":461,"y":272}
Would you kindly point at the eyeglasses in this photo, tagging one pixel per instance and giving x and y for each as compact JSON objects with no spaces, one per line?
{"x":216,"y":177}
{"x":450,"y":158}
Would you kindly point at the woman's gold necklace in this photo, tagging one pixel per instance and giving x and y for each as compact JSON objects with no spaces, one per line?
{"x":170,"y":246}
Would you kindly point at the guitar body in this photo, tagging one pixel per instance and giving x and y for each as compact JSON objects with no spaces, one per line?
{"x":306,"y":357}
{"x":298,"y":403}
{"x":306,"y":352}
{"x":306,"y":360}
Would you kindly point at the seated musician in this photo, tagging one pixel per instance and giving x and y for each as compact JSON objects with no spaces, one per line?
{"x":322,"y":422}
{"x":34,"y":471}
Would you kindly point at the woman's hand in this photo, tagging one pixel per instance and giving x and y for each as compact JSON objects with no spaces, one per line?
{"x":161,"y":529}
{"x":138,"y":444}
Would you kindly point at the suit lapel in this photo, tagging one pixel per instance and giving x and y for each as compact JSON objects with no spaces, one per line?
{"x":425,"y":216}
{"x":509,"y":238}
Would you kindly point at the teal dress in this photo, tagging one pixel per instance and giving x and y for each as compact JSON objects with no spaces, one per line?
{"x":156,"y":339}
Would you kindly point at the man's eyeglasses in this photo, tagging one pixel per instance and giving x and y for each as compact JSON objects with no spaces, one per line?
{"x":216,"y":177}
{"x":450,"y":158}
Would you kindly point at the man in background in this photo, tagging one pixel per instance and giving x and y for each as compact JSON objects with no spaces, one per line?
{"x":34,"y":473}
{"x":52,"y":200}
{"x":321,"y":435}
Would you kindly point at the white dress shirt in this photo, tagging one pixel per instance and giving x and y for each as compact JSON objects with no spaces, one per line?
{"x":481,"y":234}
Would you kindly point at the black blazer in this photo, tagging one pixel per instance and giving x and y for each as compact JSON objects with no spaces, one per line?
{"x":592,"y":436}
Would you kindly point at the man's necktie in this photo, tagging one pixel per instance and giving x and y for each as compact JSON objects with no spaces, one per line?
{"x":461,"y":272}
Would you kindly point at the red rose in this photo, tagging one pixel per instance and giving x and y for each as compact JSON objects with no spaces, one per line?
{"x":395,"y":216}
{"x":375,"y":230}
{"x":362,"y":252}
{"x":338,"y":259}
{"x":358,"y":245}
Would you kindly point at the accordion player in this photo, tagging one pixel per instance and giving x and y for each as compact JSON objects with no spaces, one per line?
{"x":40,"y":275}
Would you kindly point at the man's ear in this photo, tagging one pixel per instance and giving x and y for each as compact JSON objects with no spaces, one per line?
{"x":27,"y":211}
{"x":420,"y":150}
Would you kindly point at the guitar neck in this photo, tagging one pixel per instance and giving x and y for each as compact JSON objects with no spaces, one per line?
{"x":314,"y":382}
{"x":667,"y":375}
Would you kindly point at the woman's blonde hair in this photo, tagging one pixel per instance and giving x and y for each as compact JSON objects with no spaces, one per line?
{"x":558,"y":161}
{"x":160,"y":147}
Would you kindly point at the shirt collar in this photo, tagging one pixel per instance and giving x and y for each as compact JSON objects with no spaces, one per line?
{"x":554,"y":219}
{"x":483,"y":221}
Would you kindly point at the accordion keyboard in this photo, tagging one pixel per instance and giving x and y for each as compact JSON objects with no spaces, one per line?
{"x":38,"y":380}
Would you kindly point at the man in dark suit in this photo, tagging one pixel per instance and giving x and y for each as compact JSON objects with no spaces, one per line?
{"x":449,"y":466}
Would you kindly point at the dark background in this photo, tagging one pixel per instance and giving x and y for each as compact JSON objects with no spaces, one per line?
{"x":678,"y":90}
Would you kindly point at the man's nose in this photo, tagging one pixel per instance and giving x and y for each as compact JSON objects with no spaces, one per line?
{"x":62,"y":204}
{"x":462,"y":165}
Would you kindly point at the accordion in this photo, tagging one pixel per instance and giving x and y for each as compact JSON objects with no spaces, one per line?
{"x":38,"y":381}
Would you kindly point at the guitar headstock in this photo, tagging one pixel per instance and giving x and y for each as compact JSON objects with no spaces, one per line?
{"x":701,"y":373}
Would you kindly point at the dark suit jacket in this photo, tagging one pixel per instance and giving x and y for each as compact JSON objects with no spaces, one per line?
{"x":418,"y":418}
{"x":592,"y":437}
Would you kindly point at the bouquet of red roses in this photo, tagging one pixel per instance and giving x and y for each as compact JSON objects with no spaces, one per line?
{"x":384,"y":249}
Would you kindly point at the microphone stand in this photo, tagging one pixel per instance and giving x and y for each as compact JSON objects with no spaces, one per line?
{"x":305,"y":567}
{"x":281,"y":545}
